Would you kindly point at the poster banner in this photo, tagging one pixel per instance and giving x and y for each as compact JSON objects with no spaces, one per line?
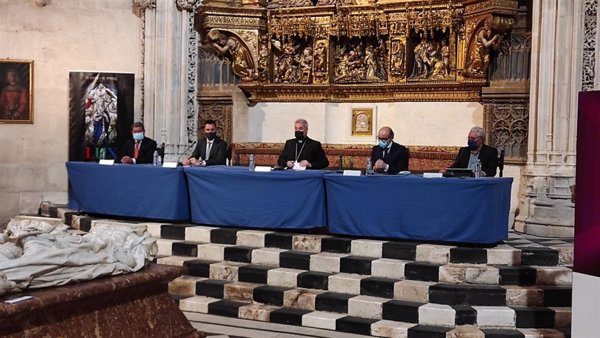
{"x":587,"y":186}
{"x":100,"y":114}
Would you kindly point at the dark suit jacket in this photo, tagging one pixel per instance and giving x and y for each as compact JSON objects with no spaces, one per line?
{"x":396,"y":157}
{"x":145,"y":154}
{"x":312,"y":152}
{"x":487,"y":155}
{"x":218,"y":152}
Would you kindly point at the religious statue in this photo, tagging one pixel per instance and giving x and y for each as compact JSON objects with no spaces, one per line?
{"x":419,"y":51}
{"x":306,"y":63}
{"x":243,"y":64}
{"x":320,"y":57}
{"x":285,"y":62}
{"x":397,"y":65}
{"x":479,"y":53}
{"x":263,"y":61}
{"x":446,"y":55}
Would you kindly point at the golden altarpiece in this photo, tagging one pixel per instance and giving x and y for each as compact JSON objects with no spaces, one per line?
{"x":369,"y":51}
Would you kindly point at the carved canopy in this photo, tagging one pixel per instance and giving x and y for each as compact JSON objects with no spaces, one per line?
{"x":358,"y":50}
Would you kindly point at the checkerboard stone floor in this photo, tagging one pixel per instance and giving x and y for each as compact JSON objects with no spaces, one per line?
{"x":386,"y":288}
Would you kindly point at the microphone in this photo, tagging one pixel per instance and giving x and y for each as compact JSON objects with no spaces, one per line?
{"x":185,"y":151}
{"x":501,"y":163}
{"x":161,"y":152}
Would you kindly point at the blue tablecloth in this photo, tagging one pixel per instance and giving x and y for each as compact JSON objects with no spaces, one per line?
{"x":139,"y":190}
{"x":234,"y":196}
{"x":437,"y":209}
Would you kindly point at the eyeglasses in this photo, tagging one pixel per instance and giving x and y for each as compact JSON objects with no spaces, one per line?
{"x":383,"y":139}
{"x":473,"y":138}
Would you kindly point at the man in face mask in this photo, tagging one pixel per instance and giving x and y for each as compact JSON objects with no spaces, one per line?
{"x":139,"y":149}
{"x":302,"y":152}
{"x":476,"y":149}
{"x":388,"y":156}
{"x":211,"y":150}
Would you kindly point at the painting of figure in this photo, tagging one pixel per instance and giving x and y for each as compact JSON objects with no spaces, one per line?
{"x":16,"y":101}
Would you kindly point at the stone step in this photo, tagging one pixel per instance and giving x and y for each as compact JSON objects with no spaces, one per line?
{"x":377,"y":317}
{"x":250,"y":277}
{"x":515,"y":251}
{"x":519,"y":288}
{"x":336,"y":263}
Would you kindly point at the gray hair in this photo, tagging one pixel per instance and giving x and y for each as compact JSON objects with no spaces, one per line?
{"x":303,"y":121}
{"x":480,"y":132}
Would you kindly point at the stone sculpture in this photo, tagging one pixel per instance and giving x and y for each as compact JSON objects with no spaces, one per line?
{"x":35,"y":253}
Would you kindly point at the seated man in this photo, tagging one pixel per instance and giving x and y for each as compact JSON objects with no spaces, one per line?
{"x":477,"y":150}
{"x":302,"y":151}
{"x":388,"y":156}
{"x":139,"y":149}
{"x":211,"y":150}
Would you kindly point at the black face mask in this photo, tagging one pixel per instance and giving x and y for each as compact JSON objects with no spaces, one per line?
{"x":299,"y":135}
{"x":211,"y":136}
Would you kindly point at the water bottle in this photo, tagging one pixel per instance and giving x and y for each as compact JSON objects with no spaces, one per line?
{"x":159,"y":161}
{"x":155,"y":158}
{"x":369,"y":170}
{"x":102,"y":153}
{"x":251,"y":162}
{"x":478,"y":172}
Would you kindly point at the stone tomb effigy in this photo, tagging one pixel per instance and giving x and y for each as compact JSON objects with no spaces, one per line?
{"x":57,"y":282}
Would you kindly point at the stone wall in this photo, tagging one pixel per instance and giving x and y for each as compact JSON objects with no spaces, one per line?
{"x":91,"y":35}
{"x":414,"y":123}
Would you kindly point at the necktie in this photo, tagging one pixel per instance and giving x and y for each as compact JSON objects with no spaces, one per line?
{"x":136,"y":149}
{"x":384,"y":152}
{"x":208,"y":148}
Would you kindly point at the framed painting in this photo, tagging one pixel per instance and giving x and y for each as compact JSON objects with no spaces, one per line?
{"x":362,"y":121}
{"x":16,"y":91}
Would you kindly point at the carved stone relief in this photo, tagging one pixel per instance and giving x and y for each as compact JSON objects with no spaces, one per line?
{"x":218,"y":109}
{"x":187,"y":5}
{"x":589,"y":45}
{"x":192,"y":83}
{"x":507,"y":124}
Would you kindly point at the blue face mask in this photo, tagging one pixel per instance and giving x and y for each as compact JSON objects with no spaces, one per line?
{"x":382,"y":144}
{"x":472,"y":144}
{"x":138,"y":136}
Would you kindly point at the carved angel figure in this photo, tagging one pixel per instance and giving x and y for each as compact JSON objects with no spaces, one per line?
{"x":243,"y":65}
{"x":479,"y":53}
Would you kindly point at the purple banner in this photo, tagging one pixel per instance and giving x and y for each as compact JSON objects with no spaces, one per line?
{"x":587,"y":204}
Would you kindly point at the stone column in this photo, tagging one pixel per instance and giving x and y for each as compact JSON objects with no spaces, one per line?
{"x":546,"y":208}
{"x":169,"y":74}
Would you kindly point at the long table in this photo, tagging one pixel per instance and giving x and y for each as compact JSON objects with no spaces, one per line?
{"x":234,"y":196}
{"x":435,"y":209}
{"x":445,"y":209}
{"x":142,"y":191}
